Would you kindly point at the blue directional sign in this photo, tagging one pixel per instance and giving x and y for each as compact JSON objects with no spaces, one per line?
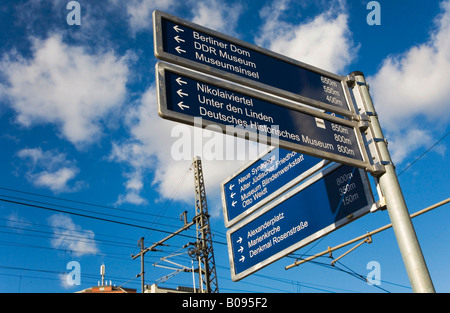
{"x":322,"y":204}
{"x":196,"y":99}
{"x":187,"y":44}
{"x":263,"y":180}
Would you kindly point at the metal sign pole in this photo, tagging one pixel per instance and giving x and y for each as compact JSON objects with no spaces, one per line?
{"x":398,"y":212}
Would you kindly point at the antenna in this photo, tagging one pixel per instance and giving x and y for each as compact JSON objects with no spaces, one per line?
{"x":102,"y":272}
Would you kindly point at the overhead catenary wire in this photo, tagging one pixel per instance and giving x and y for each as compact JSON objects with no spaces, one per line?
{"x":172,"y":197}
{"x":417,"y":159}
{"x":348,"y":271}
{"x":48,"y":206}
{"x":66,"y":235}
{"x":423,"y":154}
{"x":53,"y":272}
{"x":376,"y":231}
{"x":319,"y":288}
{"x":98,"y":218}
{"x":359,"y":276}
{"x":83,"y":210}
{"x":13,"y":221}
{"x":91,"y":212}
{"x":414,"y":214}
{"x":418,"y":213}
{"x":79,"y":202}
{"x":84,"y":203}
{"x":307,"y":286}
{"x":106,"y":254}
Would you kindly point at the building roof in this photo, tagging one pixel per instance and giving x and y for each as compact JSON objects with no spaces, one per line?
{"x":107,"y":289}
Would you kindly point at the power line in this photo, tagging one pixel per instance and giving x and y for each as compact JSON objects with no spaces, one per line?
{"x":98,"y":218}
{"x":70,"y":235}
{"x":26,"y":269}
{"x":349,"y":271}
{"x":83,"y":202}
{"x":14,"y":221}
{"x":67,"y":237}
{"x":423,"y":154}
{"x":358,"y":276}
{"x":297,"y":283}
{"x":175,"y":191}
{"x":24,"y":245}
{"x":84,"y":210}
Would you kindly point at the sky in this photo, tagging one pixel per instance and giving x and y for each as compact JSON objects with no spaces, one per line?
{"x":87,"y":165}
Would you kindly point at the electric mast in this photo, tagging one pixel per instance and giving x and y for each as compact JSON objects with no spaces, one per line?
{"x":204,"y":248}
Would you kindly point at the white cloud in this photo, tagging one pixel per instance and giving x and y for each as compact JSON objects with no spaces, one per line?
{"x":215,"y":15}
{"x":209,"y":13}
{"x":411,"y":91}
{"x":17,"y":222}
{"x":67,"y":235}
{"x":151,"y":142}
{"x":56,"y":181}
{"x":324,"y":41}
{"x":139,"y":12}
{"x":150,"y":149}
{"x":408,"y":140}
{"x":66,"y":86}
{"x":153,"y":138}
{"x":49,"y":169}
{"x":133,"y":185}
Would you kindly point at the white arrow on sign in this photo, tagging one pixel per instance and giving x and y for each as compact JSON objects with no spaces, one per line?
{"x":178,"y":29}
{"x":232,"y":195}
{"x":178,"y":39}
{"x":231,"y":187}
{"x":181,"y":93}
{"x":180,"y":81}
{"x":241,"y":249}
{"x":239,"y":240}
{"x":179,"y":50}
{"x":182,"y":106}
{"x":233,"y":203}
{"x":242,"y":259}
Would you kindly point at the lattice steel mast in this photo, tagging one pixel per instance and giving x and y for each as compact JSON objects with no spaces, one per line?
{"x":204,"y":247}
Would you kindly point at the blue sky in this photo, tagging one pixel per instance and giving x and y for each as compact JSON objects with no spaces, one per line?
{"x":80,"y":133}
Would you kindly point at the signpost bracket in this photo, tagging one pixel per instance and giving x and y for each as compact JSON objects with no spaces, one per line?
{"x":367,"y":114}
{"x":364,"y":122}
{"x":371,"y":141}
{"x":351,"y":81}
{"x":379,"y":205}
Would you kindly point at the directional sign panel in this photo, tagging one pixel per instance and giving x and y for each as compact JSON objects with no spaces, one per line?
{"x":329,"y":200}
{"x":196,"y":99}
{"x":264,"y":179}
{"x":191,"y":45}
